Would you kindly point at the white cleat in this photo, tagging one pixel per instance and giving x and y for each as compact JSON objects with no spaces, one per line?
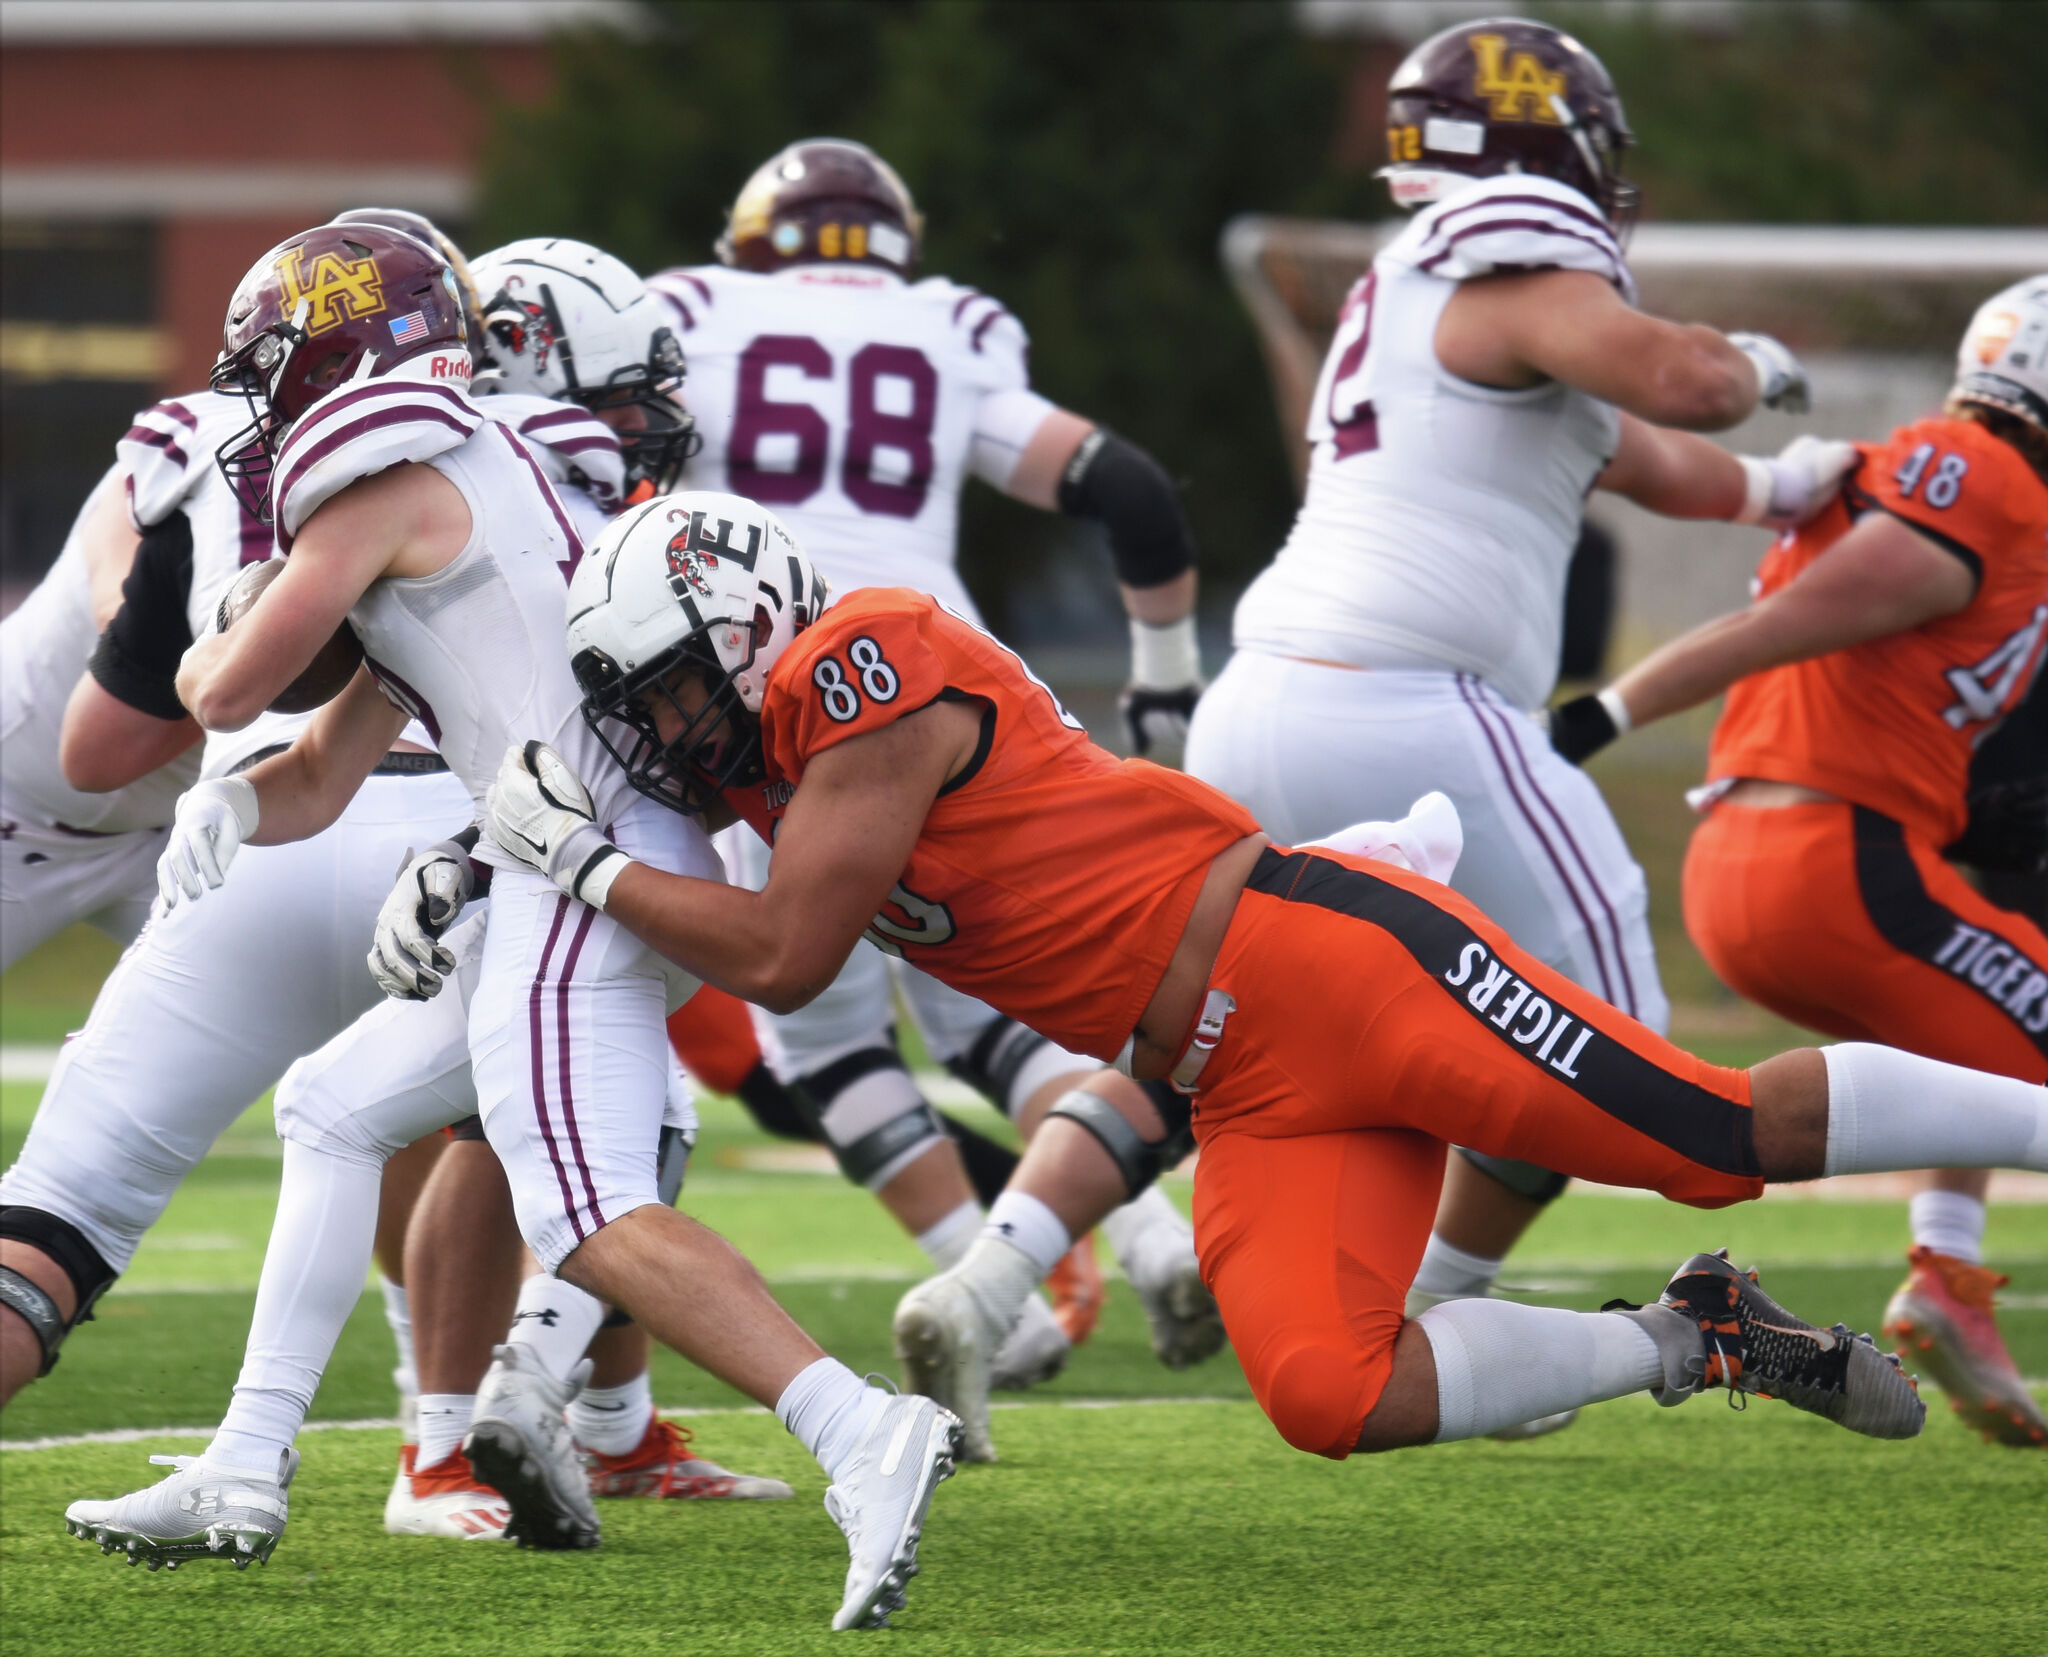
{"x":1186,"y":1326}
{"x":199,"y":1511}
{"x":1035,"y":1350}
{"x":1541,"y":1427}
{"x":520,"y":1446}
{"x":942,"y":1340}
{"x":879,"y":1501}
{"x":446,"y":1500}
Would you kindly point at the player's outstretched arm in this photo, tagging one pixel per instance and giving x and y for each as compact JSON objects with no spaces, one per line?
{"x":1883,"y":577}
{"x":307,"y":787}
{"x":1681,"y":475}
{"x":1574,"y":327}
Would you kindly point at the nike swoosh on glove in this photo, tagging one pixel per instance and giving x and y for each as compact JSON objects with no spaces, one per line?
{"x":406,"y":957}
{"x":211,"y":822}
{"x":541,"y":813}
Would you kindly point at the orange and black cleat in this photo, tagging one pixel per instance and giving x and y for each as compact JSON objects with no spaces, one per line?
{"x":1944,"y":1316}
{"x":666,"y":1466}
{"x":1075,"y":1284}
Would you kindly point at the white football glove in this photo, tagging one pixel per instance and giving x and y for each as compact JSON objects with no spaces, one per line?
{"x":1166,"y":683}
{"x":406,"y":957}
{"x":1428,"y":841}
{"x":211,"y":822}
{"x":541,"y":813}
{"x":1803,"y":477}
{"x":1780,"y":381}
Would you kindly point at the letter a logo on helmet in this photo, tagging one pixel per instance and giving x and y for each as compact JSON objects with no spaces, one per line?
{"x":1519,"y":92}
{"x":338,"y":290}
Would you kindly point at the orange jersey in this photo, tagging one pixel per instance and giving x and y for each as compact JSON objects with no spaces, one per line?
{"x":1051,"y":880}
{"x":1891,"y":724}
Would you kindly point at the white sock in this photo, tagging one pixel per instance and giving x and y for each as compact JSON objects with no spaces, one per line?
{"x":313,"y":1275}
{"x":1949,"y":1222}
{"x":1499,"y":1363}
{"x":828,"y":1410}
{"x":444,"y":1418}
{"x":398,"y":1314}
{"x":1026,"y":1223}
{"x":1889,"y":1111}
{"x":947,"y":1241}
{"x":1449,"y":1273}
{"x":1136,"y":1231}
{"x":556,"y":1321}
{"x":612,"y":1420}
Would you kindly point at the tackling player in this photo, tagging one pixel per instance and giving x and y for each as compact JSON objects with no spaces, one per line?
{"x":1332,"y":1020}
{"x":1889,"y":638}
{"x":1488,"y":372}
{"x":431,"y":533}
{"x":857,"y":400}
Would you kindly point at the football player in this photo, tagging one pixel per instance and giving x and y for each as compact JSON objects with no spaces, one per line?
{"x":430,"y":531}
{"x":833,"y":384}
{"x":1888,"y":639}
{"x":1488,"y":372}
{"x":1333,"y":1019}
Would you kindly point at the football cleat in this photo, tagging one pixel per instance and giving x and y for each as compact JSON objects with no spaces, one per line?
{"x":198,"y":1511}
{"x":1729,"y":1333}
{"x":1186,"y":1326}
{"x":665,"y":1466}
{"x":1541,"y":1427}
{"x":1077,"y":1291}
{"x":520,"y":1446}
{"x":879,"y":1500}
{"x":1944,"y":1316}
{"x":942,"y":1336}
{"x":1035,"y":1349}
{"x":446,"y":1500}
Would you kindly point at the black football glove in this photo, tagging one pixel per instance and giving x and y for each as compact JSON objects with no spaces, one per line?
{"x":1581,"y":727}
{"x":1157,"y":717}
{"x":2008,"y":828}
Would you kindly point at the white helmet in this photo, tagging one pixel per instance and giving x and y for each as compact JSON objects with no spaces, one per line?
{"x":696,"y":579}
{"x":2003,"y":360}
{"x":567,"y":321}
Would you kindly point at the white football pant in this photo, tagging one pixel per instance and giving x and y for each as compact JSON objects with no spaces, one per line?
{"x":212,"y":1002}
{"x":50,"y":877}
{"x":1309,"y":748}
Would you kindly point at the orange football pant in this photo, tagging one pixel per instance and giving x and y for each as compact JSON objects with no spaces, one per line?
{"x":1842,"y":920}
{"x":713,"y":1034}
{"x":1379,"y":1017}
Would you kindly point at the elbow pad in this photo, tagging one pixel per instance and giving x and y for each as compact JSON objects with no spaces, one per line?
{"x":1120,"y":486}
{"x":136,"y":659}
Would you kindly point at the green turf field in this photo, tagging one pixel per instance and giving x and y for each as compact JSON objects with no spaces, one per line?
{"x":1134,"y":1511}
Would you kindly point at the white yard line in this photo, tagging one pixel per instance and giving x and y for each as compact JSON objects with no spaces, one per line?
{"x":138,"y":1435}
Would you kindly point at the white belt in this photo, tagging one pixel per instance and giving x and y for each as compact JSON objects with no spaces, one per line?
{"x":1187,"y":1074}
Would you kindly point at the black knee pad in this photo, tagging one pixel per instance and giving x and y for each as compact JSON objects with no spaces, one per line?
{"x":67,"y":1246}
{"x":1525,"y":1179}
{"x":872,"y":1153}
{"x":1139,"y":1160}
{"x":997,"y":1057}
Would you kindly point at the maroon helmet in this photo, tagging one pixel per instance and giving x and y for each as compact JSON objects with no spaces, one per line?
{"x":823,"y":200}
{"x":424,"y":229}
{"x":1506,"y":95}
{"x":333,"y":304}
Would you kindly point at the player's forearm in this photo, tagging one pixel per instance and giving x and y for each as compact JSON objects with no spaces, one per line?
{"x":305,"y":789}
{"x":1676,"y":474}
{"x":219,"y":687}
{"x":1697,"y":666}
{"x":1161,"y":605}
{"x":722,"y":934}
{"x":105,"y":744}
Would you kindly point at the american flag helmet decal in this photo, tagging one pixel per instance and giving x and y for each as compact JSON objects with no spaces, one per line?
{"x":408,"y":328}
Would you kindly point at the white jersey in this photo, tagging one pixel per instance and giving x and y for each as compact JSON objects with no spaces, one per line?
{"x":475,"y":652}
{"x":854,"y":405}
{"x":1441,"y":515}
{"x":577,"y":451}
{"x":44,"y":647}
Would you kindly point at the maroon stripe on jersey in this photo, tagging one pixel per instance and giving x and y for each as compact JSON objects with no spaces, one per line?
{"x":159,"y":440}
{"x":966,"y":299}
{"x":562,"y":1061}
{"x":405,"y":414}
{"x":173,"y":411}
{"x":547,"y":493}
{"x":580,"y":445}
{"x":1487,"y":203}
{"x":1494,"y":226}
{"x":696,"y":282}
{"x":539,"y":1081}
{"x":983,"y":326}
{"x":556,"y":418}
{"x":257,"y":542}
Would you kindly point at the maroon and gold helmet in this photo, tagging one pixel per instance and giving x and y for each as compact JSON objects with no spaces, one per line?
{"x":1506,"y":95}
{"x":331,"y":305}
{"x":821,"y":201}
{"x":424,"y":229}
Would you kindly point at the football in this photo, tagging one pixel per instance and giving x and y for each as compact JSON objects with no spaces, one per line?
{"x":328,"y":672}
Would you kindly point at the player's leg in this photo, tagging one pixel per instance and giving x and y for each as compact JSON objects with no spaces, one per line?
{"x":50,"y":877}
{"x":405,"y":1177}
{"x":713,"y":1034}
{"x":1839,"y":918}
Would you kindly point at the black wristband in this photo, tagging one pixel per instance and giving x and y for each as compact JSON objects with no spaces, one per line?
{"x":136,"y":660}
{"x":1581,"y":727}
{"x":1120,"y":486}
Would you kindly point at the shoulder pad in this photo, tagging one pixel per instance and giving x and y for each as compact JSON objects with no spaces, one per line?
{"x":359,"y":431}
{"x":1513,"y":222}
{"x":572,"y":445}
{"x":685,"y":292}
{"x":168,"y":451}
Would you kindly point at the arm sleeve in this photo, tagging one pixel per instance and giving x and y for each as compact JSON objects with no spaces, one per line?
{"x":1004,"y":424}
{"x":1123,"y":488}
{"x":136,"y":659}
{"x":855,"y":674}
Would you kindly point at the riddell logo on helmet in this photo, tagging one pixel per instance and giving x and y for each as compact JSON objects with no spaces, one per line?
{"x":1995,"y":335}
{"x":450,"y":365}
{"x":1519,"y":89}
{"x":338,"y":290}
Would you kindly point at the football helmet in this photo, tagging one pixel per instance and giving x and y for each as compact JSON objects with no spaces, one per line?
{"x":1506,"y":95}
{"x":2003,"y":360}
{"x":328,"y":306}
{"x":566,"y":321}
{"x":819,"y":201}
{"x":422,"y":228}
{"x":700,"y":580}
